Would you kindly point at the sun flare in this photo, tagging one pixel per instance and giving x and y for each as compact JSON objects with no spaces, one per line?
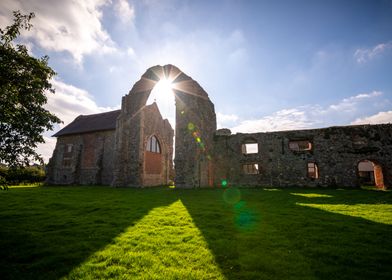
{"x":164,"y":87}
{"x":163,"y":95}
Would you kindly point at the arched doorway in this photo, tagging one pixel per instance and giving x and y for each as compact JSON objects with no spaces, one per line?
{"x":370,"y":174}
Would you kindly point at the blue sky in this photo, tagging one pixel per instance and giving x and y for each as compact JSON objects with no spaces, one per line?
{"x":266,"y":65}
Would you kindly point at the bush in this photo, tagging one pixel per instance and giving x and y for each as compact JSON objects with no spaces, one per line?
{"x":20,"y":175}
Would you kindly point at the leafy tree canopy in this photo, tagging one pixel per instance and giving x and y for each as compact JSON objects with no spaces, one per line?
{"x":24,"y":81}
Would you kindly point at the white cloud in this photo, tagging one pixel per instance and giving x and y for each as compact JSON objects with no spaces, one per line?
{"x":381,"y":117}
{"x":364,"y":55}
{"x":125,"y":11}
{"x":347,"y":111}
{"x":225,"y":120}
{"x":131,"y":51}
{"x":46,"y":149}
{"x":287,"y":119}
{"x":67,"y":103}
{"x":350,"y":104}
{"x":71,"y":26}
{"x":195,"y":51}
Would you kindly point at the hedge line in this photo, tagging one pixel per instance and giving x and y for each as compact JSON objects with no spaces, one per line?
{"x":16,"y":176}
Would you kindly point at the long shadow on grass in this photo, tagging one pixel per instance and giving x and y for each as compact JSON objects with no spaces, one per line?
{"x":46,"y":232}
{"x":272,"y":235}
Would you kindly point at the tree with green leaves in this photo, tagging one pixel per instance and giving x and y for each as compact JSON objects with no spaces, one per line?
{"x":24,"y":83}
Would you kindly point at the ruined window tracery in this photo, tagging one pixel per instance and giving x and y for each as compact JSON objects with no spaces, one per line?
{"x":153,"y":145}
{"x":300,"y":145}
{"x":252,"y":168}
{"x":313,"y":170}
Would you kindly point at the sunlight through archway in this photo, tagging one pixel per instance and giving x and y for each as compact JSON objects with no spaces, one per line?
{"x":163,"y":95}
{"x":165,"y":244}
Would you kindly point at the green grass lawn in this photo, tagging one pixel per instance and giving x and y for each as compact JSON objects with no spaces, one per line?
{"x":162,"y":233}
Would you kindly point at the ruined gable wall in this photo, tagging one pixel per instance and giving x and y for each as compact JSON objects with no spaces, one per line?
{"x":192,"y":106}
{"x":336,"y":150}
{"x":88,"y":161}
{"x":195,"y":127}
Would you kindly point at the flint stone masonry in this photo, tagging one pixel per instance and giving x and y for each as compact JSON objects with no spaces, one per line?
{"x":110,"y":148}
{"x":336,"y":151}
{"x":193,"y":107}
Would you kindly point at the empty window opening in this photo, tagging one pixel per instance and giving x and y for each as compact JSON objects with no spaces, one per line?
{"x":153,"y":145}
{"x":69,"y":148}
{"x":252,"y":168}
{"x":370,"y":174}
{"x":250,"y":148}
{"x":302,"y":145}
{"x":313,"y":170}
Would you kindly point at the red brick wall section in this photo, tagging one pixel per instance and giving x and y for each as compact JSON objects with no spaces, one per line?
{"x":153,"y":163}
{"x":378,"y":177}
{"x":88,"y":156}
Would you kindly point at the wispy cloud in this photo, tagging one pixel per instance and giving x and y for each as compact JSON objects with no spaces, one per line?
{"x":125,"y":11}
{"x":195,"y":51}
{"x":282,"y":120}
{"x":67,"y":103}
{"x":381,"y":117}
{"x":226,"y":120}
{"x":349,"y":104}
{"x":366,"y":54}
{"x":348,"y":111}
{"x":70,"y":26}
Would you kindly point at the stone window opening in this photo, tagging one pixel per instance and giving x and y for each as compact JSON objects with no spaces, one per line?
{"x":250,"y":148}
{"x":370,"y":174}
{"x":313,"y":170}
{"x":300,"y":145}
{"x":153,"y":145}
{"x":69,"y":148}
{"x":252,"y":168}
{"x":67,"y":156}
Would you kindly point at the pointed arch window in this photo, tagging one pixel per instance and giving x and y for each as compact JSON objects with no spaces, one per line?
{"x":153,"y":145}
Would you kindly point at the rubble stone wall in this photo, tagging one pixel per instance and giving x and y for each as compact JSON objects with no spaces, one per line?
{"x":335,"y":150}
{"x":195,"y":119}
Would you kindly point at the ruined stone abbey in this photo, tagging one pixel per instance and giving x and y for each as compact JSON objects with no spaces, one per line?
{"x":134,"y":147}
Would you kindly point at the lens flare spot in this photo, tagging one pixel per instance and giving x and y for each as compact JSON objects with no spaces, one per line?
{"x":224,"y":183}
{"x":191,"y":126}
{"x":245,"y":220}
{"x":232,"y":195}
{"x":239,"y":205}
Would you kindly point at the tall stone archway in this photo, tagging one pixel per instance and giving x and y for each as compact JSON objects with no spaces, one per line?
{"x":195,"y":127}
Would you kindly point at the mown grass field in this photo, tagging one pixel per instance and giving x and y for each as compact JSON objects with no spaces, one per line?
{"x":162,"y":233}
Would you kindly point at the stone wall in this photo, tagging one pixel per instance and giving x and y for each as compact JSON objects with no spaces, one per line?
{"x":195,"y":127}
{"x":82,"y":159}
{"x":206,"y":157}
{"x":336,"y":151}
